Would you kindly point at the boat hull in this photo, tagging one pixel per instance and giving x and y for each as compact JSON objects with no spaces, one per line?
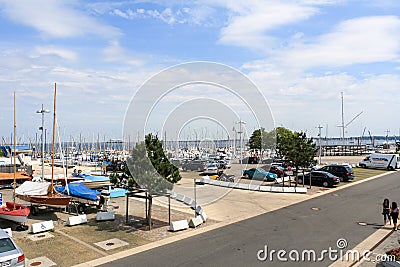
{"x":54,"y":199}
{"x":18,"y":215}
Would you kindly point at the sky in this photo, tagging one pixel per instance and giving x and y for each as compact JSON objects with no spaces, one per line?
{"x":301,"y":55}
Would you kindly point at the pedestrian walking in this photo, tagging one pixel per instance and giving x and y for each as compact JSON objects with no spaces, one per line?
{"x":394,"y":213}
{"x":386,"y":211}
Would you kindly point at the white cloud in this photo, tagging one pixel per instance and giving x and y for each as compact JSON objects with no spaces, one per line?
{"x":301,"y":100}
{"x":56,"y":18}
{"x":251,"y":21}
{"x":115,"y":53}
{"x":57,"y":51}
{"x":359,"y":40}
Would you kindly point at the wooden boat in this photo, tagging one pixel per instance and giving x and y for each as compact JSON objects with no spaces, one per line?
{"x":51,"y":199}
{"x":8,"y":178}
{"x":47,"y":195}
{"x":12,"y":211}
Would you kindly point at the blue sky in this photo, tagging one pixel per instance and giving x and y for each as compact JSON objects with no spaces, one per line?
{"x":301,"y":54}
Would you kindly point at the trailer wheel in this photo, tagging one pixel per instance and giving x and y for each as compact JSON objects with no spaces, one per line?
{"x":33,"y":210}
{"x":21,"y":228}
{"x":81,"y":208}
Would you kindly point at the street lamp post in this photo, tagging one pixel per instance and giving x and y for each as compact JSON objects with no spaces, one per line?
{"x":319,"y":143}
{"x":240,"y":122}
{"x":42,"y":111}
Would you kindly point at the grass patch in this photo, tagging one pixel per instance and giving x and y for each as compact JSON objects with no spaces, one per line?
{"x":60,"y":249}
{"x":362,"y":173}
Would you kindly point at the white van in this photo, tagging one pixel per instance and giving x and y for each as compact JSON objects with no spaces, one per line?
{"x":382,"y":161}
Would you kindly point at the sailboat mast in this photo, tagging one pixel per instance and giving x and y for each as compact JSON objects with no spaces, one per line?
{"x":15,"y":145}
{"x":54,"y":136}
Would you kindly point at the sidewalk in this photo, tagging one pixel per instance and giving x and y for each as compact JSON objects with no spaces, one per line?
{"x":391,"y":241}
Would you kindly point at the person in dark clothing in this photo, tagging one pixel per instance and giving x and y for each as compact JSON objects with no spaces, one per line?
{"x":394,"y":213}
{"x":386,"y":211}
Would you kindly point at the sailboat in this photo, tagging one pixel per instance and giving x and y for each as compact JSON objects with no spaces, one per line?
{"x":13,"y":211}
{"x":44,"y":192}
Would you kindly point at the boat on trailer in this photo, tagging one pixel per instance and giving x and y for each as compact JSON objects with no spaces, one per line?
{"x":12,"y":211}
{"x":43,"y":192}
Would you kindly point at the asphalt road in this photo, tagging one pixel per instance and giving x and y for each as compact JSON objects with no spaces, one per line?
{"x":297,"y":227}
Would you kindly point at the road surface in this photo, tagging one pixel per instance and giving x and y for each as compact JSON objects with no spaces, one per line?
{"x":316,"y":224}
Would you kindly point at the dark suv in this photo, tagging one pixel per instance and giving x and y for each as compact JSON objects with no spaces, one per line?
{"x":193,"y":165}
{"x":319,"y":178}
{"x":344,"y":172}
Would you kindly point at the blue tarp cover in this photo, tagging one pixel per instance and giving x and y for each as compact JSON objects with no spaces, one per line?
{"x":94,"y":178}
{"x":79,"y":190}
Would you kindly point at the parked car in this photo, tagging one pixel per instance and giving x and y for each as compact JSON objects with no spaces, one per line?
{"x":193,"y":165}
{"x":211,"y":168}
{"x":10,"y":253}
{"x":277,"y":169}
{"x":259,"y":174}
{"x":325,"y":179}
{"x":344,"y":172}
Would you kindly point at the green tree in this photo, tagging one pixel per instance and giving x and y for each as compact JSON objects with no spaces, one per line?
{"x":159,"y":160}
{"x":295,"y":148}
{"x":148,"y":168}
{"x":260,"y":139}
{"x":283,"y":136}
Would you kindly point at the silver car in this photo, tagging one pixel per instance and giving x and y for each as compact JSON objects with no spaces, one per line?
{"x":10,"y":254}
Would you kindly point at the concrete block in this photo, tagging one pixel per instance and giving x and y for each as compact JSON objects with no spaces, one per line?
{"x":231,"y":184}
{"x":210,"y":181}
{"x":180,"y":197}
{"x":188,"y":201}
{"x":196,"y":221}
{"x":203,"y":216}
{"x":254,"y":187}
{"x":105,"y":216}
{"x":75,"y":220}
{"x":301,"y":190}
{"x":42,"y":226}
{"x":242,"y":186}
{"x":218,"y":183}
{"x":276,"y":189}
{"x":289,"y":190}
{"x":173,"y":195}
{"x":265,"y":188}
{"x":225,"y":184}
{"x":178,"y":225}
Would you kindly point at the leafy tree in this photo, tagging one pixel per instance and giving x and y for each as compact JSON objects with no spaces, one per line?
{"x":295,"y":148}
{"x":260,"y":139}
{"x":149,"y":168}
{"x":159,"y":160}
{"x":282,"y":137}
